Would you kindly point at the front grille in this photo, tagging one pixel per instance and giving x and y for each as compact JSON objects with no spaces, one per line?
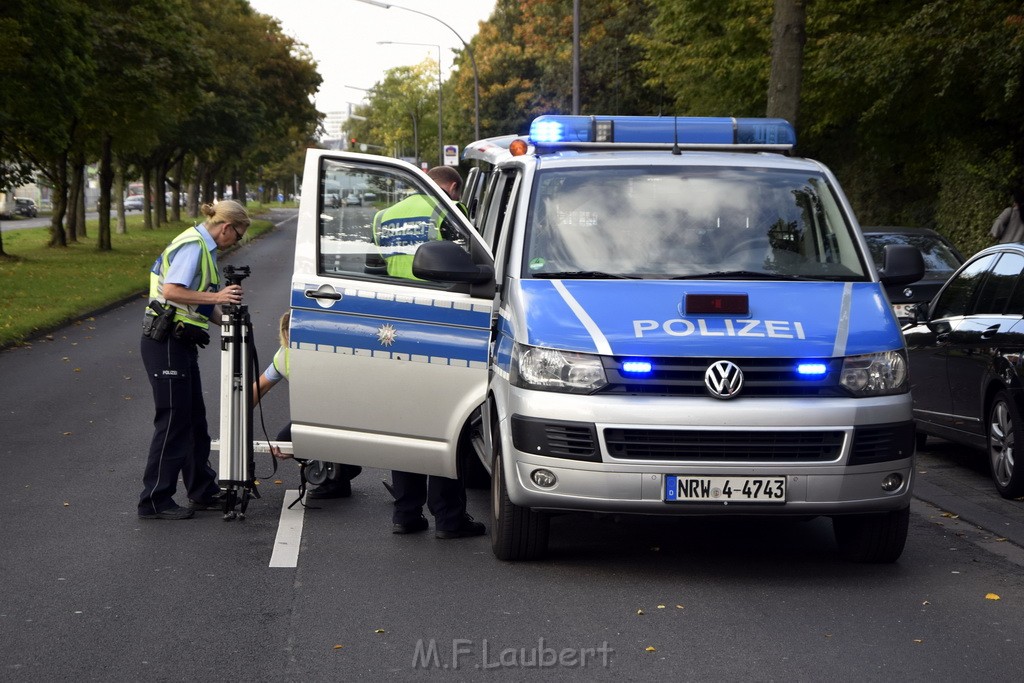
{"x":879,"y":443}
{"x":771,"y":377}
{"x":700,"y":445}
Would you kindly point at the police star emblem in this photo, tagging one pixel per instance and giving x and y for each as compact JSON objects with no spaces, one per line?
{"x":386,"y":334}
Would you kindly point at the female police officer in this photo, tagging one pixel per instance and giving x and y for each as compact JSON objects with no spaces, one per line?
{"x":185,"y":296}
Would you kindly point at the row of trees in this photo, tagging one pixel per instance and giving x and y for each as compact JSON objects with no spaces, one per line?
{"x":189,"y":95}
{"x":918,"y":105}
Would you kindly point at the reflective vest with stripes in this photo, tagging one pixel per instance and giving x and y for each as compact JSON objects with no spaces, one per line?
{"x":209,"y":278}
{"x":398,"y":230}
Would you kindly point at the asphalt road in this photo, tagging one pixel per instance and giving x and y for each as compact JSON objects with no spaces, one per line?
{"x":90,"y":592}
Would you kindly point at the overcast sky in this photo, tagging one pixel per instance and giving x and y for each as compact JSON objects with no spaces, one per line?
{"x":343,"y":34}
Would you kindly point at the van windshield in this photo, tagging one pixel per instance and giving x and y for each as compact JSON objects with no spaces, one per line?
{"x":662,"y":223}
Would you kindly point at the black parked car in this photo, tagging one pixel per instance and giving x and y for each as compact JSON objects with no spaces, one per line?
{"x":967,"y":362}
{"x":23,"y":206}
{"x":941,"y":259}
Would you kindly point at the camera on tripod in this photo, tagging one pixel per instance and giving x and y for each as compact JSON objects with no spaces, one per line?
{"x":234,"y":275}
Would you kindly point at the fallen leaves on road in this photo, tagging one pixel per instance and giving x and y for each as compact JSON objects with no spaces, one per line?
{"x":650,"y":648}
{"x":992,"y":596}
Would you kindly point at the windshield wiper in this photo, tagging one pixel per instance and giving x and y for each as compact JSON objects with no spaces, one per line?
{"x":741,"y":275}
{"x":585,"y":275}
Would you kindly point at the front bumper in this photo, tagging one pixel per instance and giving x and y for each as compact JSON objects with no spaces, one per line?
{"x":609,"y":484}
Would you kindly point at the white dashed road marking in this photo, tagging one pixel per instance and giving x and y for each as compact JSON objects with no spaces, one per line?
{"x":289,"y":533}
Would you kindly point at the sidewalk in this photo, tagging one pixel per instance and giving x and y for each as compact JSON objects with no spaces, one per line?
{"x":956,"y":479}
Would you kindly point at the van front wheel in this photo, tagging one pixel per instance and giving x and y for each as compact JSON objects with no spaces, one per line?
{"x":517,"y":533}
{"x":876,"y":537}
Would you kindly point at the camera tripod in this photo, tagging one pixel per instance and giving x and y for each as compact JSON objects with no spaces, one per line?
{"x":237,"y":465}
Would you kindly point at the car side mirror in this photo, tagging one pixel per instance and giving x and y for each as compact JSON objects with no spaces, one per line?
{"x":901,"y":265}
{"x":448,"y":262}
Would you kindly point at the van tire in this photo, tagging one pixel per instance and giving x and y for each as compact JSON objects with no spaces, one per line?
{"x":517,"y":533}
{"x":875,"y":538}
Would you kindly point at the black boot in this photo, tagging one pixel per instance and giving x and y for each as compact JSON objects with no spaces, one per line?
{"x":332,"y":488}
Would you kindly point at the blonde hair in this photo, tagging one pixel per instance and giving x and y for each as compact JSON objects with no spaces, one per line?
{"x":282,"y":334}
{"x":226,"y":211}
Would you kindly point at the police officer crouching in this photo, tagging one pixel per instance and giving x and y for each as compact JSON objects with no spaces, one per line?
{"x":184,"y":297}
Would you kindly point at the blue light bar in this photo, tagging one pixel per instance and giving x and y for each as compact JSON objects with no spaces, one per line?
{"x":637,"y":367}
{"x":812,"y":370}
{"x":552,"y":130}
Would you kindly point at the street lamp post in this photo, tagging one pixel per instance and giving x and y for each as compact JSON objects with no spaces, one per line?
{"x":469,"y":51}
{"x":440,"y":106}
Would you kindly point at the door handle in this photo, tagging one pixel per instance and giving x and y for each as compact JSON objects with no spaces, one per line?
{"x":324,"y":292}
{"x":990,"y":332}
{"x":942,"y":338}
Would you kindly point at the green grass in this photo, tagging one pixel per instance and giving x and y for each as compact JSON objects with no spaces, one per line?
{"x":42,"y":288}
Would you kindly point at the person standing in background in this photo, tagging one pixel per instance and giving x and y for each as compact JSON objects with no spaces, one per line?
{"x":1009,"y":227}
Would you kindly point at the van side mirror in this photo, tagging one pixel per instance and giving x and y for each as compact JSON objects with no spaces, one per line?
{"x":901,"y":265}
{"x":448,"y":262}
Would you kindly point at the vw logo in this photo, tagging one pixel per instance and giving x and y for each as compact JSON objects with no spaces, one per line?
{"x":724,"y":379}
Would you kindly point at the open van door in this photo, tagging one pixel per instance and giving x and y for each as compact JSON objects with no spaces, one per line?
{"x":385,"y":368}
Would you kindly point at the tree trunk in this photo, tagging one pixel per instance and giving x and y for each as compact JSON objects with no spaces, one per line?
{"x":147,"y":194}
{"x":58,"y":238}
{"x":122,"y":223}
{"x":74,"y":187}
{"x":106,"y":181}
{"x":159,"y":192}
{"x":80,"y":214}
{"x":178,"y":186}
{"x":788,"y":36}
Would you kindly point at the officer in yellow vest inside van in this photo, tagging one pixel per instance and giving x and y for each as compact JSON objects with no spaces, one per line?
{"x":399,"y":229}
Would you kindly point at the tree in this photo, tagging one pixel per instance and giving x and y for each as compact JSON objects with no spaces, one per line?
{"x":41,"y":115}
{"x":788,"y":38}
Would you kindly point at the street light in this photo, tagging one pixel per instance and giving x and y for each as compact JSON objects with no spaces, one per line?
{"x":440,"y":107}
{"x":472,"y":59}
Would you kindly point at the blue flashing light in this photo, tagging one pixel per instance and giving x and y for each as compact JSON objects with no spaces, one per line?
{"x":811,"y":370}
{"x":665,"y":130}
{"x":637,"y":367}
{"x":546,"y":131}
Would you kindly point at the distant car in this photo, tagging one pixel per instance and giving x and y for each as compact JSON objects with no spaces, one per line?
{"x":133,"y":202}
{"x":941,"y":259}
{"x":369,"y":198}
{"x":23,"y":206}
{"x":966,"y":365}
{"x":353,"y":200}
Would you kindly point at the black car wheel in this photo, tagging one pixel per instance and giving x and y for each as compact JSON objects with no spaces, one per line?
{"x":875,"y":537}
{"x":1004,"y":430}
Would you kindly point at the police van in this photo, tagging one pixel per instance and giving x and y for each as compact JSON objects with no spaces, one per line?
{"x":650,"y":315}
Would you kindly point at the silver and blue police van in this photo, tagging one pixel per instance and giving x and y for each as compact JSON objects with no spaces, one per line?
{"x":650,"y":315}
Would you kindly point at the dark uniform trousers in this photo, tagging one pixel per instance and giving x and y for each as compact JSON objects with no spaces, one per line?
{"x":445,"y":498}
{"x":181,"y":438}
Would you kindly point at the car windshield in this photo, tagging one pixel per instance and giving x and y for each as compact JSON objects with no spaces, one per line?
{"x":671,"y":222}
{"x":938,"y":257}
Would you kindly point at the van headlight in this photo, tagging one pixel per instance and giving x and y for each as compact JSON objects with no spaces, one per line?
{"x":542,"y":369}
{"x":876,"y":374}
